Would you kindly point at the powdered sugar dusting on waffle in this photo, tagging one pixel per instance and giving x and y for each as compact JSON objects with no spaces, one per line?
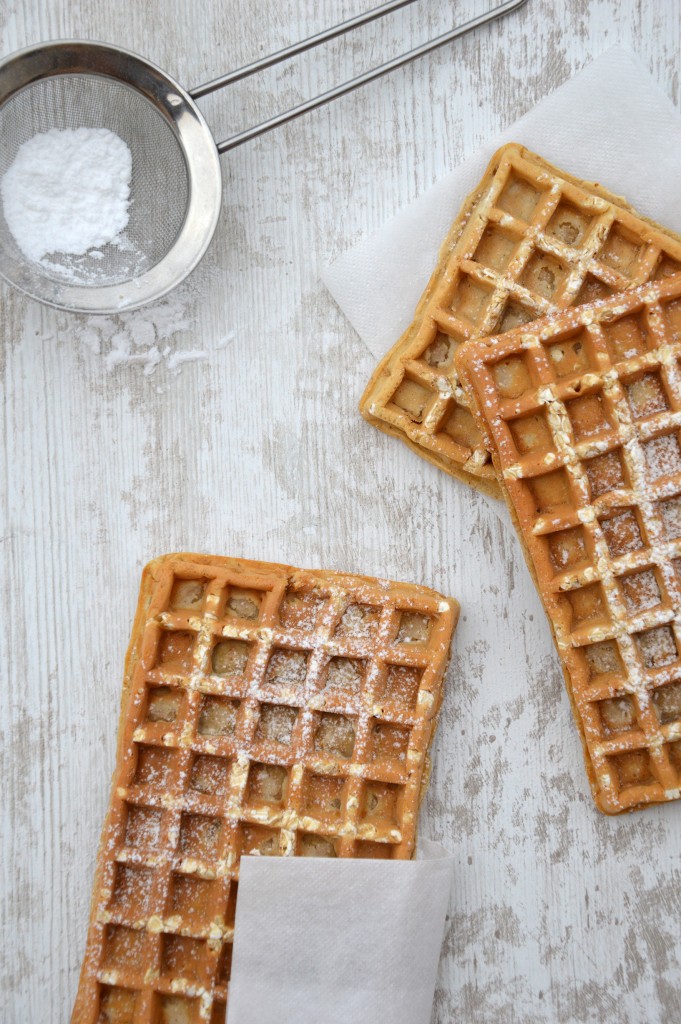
{"x":271,"y":712}
{"x":598,"y":388}
{"x":532,"y":242}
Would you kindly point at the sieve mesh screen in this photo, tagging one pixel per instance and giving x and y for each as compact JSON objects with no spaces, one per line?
{"x":159,"y":189}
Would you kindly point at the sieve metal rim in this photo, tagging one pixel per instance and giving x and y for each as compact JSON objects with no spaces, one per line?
{"x":34,"y":63}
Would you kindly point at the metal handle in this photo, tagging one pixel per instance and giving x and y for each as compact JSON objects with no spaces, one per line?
{"x":292,"y":51}
{"x":340,"y":90}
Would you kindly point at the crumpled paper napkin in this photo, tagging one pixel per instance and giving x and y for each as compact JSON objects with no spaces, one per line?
{"x":610,"y":123}
{"x":320,"y":941}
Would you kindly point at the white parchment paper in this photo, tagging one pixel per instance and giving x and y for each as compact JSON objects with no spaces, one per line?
{"x":610,"y":123}
{"x":321,"y":941}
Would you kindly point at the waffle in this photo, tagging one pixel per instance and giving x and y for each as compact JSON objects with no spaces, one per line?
{"x":265,"y":711}
{"x":582,"y":411}
{"x":528,"y":241}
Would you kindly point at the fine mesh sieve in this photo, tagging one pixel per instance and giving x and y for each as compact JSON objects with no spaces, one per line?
{"x":176,"y":186}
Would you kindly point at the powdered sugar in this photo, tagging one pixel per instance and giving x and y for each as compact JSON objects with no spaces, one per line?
{"x":144,"y":337}
{"x":663,"y":456}
{"x":67,"y":191}
{"x":177,"y":359}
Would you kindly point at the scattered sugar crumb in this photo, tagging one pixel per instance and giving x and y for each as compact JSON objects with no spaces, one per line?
{"x":226,"y":340}
{"x":132,"y":339}
{"x":121,"y":355}
{"x":176,"y":359}
{"x":146,"y":337}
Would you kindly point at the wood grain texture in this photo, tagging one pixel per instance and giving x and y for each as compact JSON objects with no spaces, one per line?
{"x":559,"y":915}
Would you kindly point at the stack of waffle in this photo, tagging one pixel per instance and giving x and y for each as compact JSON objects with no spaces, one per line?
{"x":544,"y":364}
{"x":530,"y":240}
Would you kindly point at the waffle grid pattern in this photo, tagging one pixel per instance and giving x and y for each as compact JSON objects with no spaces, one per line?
{"x":583,"y":413}
{"x":270,"y":712}
{"x":530,"y":241}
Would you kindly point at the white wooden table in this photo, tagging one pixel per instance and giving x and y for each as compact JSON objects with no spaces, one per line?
{"x":559,"y":914}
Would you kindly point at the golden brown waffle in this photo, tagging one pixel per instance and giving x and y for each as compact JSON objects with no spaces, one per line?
{"x":528,"y":241}
{"x":265,"y":711}
{"x":582,"y":411}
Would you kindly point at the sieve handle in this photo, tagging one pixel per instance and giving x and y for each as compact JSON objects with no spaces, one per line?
{"x":292,"y":51}
{"x":341,"y":90}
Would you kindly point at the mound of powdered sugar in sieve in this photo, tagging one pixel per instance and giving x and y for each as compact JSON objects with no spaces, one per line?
{"x":67,"y":191}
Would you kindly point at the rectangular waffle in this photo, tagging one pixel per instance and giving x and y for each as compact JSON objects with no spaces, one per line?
{"x":528,"y":241}
{"x":582,"y":412}
{"x":265,"y":711}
